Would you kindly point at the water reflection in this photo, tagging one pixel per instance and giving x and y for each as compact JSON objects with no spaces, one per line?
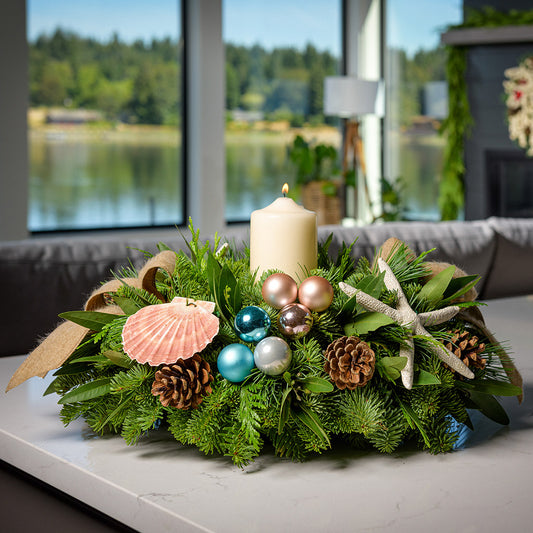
{"x":79,"y":184}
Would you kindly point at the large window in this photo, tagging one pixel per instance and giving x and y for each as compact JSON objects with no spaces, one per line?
{"x":417,"y":101}
{"x":277,"y":55}
{"x":104,"y":118}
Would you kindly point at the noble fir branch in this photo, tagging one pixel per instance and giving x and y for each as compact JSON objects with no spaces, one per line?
{"x":198,"y":249}
{"x":190,"y":280}
{"x":239,"y":447}
{"x":134,"y":379}
{"x":307,"y":356}
{"x":362,"y":410}
{"x":251,"y":403}
{"x":404,"y":267}
{"x":288,"y":443}
{"x":389,"y":433}
{"x":140,"y":418}
{"x":110,"y":337}
{"x":140,"y":297}
{"x":442,"y":434}
{"x":205,"y":426}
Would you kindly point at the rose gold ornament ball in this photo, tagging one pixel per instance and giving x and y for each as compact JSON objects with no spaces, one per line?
{"x":279,"y":290}
{"x":295,"y":320}
{"x":316,"y":293}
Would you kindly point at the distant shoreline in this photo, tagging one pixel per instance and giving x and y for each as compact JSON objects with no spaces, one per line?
{"x":270,"y":132}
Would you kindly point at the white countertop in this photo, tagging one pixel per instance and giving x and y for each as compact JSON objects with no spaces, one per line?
{"x":158,"y":485}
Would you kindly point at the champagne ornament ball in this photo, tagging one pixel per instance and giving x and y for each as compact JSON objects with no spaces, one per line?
{"x":316,"y":293}
{"x":279,"y":290}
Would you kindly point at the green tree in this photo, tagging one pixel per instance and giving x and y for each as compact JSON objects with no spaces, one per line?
{"x":143,"y":104}
{"x":55,"y":84}
{"x":232,"y":87}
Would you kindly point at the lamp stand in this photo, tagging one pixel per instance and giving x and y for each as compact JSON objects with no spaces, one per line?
{"x":354,"y":153}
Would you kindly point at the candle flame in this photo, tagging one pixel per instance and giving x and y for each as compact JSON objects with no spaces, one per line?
{"x":285,"y":189}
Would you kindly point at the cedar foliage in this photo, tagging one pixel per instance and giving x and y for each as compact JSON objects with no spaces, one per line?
{"x":293,"y":412}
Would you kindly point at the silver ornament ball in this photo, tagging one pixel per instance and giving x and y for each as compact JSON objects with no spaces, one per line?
{"x":272,"y":356}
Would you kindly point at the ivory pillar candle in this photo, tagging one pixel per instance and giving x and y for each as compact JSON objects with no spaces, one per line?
{"x":283,"y":236}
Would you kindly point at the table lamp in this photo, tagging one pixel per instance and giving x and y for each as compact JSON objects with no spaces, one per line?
{"x":349,"y":98}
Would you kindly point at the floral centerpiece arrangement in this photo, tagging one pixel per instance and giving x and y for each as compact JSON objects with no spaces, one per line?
{"x":519,"y":101}
{"x":227,"y":359}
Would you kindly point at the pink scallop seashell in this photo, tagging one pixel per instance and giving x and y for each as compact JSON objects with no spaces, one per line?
{"x":163,"y":333}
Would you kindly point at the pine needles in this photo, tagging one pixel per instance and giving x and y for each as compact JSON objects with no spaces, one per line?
{"x":300,"y":412}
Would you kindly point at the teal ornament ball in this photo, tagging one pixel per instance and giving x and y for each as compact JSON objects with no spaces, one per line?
{"x":235,"y":362}
{"x":272,"y":356}
{"x":252,"y":324}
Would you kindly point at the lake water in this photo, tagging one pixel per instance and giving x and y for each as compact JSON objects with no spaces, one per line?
{"x":76,"y":184}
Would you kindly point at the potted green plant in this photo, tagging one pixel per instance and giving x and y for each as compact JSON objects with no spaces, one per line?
{"x":317,"y":172}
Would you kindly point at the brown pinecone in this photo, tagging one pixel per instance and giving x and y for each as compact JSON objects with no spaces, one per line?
{"x":350,"y":362}
{"x":467,"y":347}
{"x":184,"y":384}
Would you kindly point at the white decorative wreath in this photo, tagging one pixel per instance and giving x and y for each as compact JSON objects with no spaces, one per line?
{"x":519,"y":101}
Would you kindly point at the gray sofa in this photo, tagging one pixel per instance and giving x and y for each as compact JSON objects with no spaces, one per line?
{"x":41,"y":277}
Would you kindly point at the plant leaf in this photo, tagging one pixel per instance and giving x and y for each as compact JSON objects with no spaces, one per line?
{"x":489,"y":406}
{"x":94,"y":320}
{"x":458,"y":287}
{"x":87,"y":391}
{"x":311,"y":420}
{"x":71,"y":368}
{"x":119,"y":358}
{"x":126,"y":304}
{"x":317,"y":385}
{"x":424,"y":378}
{"x":390,"y":367}
{"x":285,"y":409}
{"x":433,"y":290}
{"x":51,"y":389}
{"x":413,"y":420}
{"x":367,"y":321}
{"x":213,"y":273}
{"x":490,"y":386}
{"x":231,"y":290}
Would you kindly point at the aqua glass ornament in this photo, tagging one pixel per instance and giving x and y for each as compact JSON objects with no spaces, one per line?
{"x":272,"y":356}
{"x":252,"y":324}
{"x":235,"y":362}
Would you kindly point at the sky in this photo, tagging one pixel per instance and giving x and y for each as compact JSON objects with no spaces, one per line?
{"x":412,"y":24}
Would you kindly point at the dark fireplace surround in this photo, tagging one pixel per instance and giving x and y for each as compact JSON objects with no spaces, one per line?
{"x":499,"y":174}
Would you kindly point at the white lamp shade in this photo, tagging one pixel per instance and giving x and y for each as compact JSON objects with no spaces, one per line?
{"x":346,"y":96}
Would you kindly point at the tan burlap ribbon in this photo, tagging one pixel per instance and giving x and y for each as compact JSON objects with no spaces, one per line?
{"x":59,"y":345}
{"x":469,"y":314}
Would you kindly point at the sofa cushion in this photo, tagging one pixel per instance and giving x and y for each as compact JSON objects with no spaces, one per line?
{"x":512,"y":269}
{"x":469,"y":245}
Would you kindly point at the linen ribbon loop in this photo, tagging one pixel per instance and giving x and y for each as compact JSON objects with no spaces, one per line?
{"x":59,"y":345}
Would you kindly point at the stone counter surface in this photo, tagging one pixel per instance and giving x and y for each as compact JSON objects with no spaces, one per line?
{"x":160,"y":486}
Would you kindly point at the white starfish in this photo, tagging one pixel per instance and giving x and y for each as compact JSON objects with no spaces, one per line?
{"x":406,"y":317}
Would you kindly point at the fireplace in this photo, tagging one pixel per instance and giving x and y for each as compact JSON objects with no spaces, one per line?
{"x":509,"y":183}
{"x":498,"y":176}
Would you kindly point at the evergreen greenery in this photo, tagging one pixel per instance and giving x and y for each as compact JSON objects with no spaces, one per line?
{"x":301,"y":411}
{"x":458,"y":124}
